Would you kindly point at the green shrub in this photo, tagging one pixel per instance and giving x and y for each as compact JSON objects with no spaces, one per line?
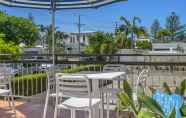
{"x":83,"y":68}
{"x":144,"y":45}
{"x":28,"y":85}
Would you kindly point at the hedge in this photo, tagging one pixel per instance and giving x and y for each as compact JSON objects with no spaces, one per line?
{"x":28,"y":85}
{"x":83,"y":68}
{"x":33,"y":84}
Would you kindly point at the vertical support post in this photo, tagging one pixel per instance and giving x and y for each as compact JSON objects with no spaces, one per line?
{"x":53,"y":35}
{"x":79,"y":32}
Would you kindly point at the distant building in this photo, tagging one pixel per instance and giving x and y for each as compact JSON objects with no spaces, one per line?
{"x":169,"y":46}
{"x":71,"y":43}
{"x":143,"y":38}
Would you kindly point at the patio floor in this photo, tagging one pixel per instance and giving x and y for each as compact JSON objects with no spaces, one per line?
{"x":29,"y":109}
{"x":24,"y":109}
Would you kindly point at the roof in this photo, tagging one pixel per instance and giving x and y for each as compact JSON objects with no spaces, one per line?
{"x":59,"y":4}
{"x":168,"y":45}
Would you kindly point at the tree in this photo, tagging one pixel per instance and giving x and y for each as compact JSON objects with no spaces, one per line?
{"x":18,"y":29}
{"x":175,"y":27}
{"x":8,"y":48}
{"x":59,"y":36}
{"x":121,"y":41}
{"x":101,"y":43}
{"x":144,"y":44}
{"x":155,"y":28}
{"x":131,"y":28}
{"x":142,"y":31}
{"x":163,"y":34}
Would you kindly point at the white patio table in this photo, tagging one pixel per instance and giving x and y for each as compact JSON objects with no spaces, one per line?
{"x":113,"y":76}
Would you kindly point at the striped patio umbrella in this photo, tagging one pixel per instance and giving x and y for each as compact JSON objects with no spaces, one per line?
{"x":58,"y":4}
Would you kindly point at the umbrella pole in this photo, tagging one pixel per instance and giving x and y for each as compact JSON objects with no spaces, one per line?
{"x":53,"y":37}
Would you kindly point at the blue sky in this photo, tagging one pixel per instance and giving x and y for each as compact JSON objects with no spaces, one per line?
{"x":105,"y":17}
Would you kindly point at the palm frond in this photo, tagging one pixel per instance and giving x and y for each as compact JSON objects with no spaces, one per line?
{"x":152,"y":105}
{"x":166,"y":88}
{"x":127,"y":88}
{"x":181,"y":88}
{"x":126,"y":101}
{"x":172,"y":114}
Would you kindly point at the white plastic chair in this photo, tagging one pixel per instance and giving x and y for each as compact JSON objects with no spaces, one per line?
{"x":78,"y":88}
{"x":111,"y":92}
{"x":5,"y":87}
{"x":51,"y":89}
{"x":141,"y":81}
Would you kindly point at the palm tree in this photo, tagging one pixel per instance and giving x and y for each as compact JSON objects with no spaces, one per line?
{"x":131,"y":28}
{"x":121,"y":41}
{"x":59,"y":36}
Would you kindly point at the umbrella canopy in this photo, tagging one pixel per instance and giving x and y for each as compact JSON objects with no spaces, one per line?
{"x":59,"y":4}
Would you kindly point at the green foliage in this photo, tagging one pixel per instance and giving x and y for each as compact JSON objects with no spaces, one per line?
{"x":144,"y":44}
{"x":9,"y":48}
{"x":155,"y":27}
{"x":172,"y":114}
{"x":127,"y":88}
{"x":31,"y":84}
{"x":173,"y":24}
{"x":147,"y":107}
{"x":59,"y":36}
{"x":121,"y":41}
{"x":145,"y":114}
{"x":181,"y":88}
{"x":163,"y":35}
{"x":101,"y":43}
{"x":18,"y":29}
{"x":183,"y":110}
{"x":151,"y":105}
{"x":166,"y":88}
{"x":83,"y":68}
{"x":131,"y":28}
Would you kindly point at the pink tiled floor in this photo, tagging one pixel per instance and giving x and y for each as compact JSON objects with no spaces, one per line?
{"x":25,"y":109}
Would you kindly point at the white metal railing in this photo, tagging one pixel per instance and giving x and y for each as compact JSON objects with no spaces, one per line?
{"x":30,"y":79}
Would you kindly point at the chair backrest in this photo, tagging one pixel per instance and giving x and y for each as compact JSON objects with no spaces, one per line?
{"x":143,"y":76}
{"x":141,"y":82}
{"x":114,"y":68}
{"x":73,"y":85}
{"x":51,"y":80}
{"x":4,"y":77}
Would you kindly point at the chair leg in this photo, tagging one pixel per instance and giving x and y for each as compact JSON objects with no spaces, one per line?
{"x":90,"y":113}
{"x":8,"y":99}
{"x":108,"y":108}
{"x":46,"y":105}
{"x":13,"y":105}
{"x":55,"y":112}
{"x":74,"y":113}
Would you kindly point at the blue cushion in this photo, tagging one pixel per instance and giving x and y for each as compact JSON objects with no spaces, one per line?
{"x":168,"y":102}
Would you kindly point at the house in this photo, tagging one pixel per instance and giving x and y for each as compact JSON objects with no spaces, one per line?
{"x":71,"y":43}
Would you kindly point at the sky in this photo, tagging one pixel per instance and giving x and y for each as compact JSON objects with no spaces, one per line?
{"x":105,"y":18}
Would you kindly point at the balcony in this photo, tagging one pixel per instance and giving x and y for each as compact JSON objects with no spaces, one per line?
{"x":29,"y":80}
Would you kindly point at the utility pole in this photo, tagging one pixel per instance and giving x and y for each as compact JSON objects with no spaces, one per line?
{"x":116,"y":27}
{"x":79,"y":25}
